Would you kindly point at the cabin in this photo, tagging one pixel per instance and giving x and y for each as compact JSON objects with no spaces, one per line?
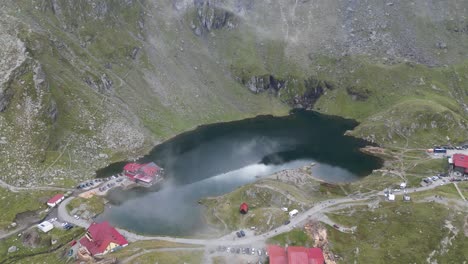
{"x":52,"y":202}
{"x":244,"y":208}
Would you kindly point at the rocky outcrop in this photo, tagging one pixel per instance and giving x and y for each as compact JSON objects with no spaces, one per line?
{"x":258,"y":84}
{"x":210,"y":16}
{"x":358,"y":93}
{"x":102,"y":84}
{"x":312,"y":88}
{"x":12,"y":56}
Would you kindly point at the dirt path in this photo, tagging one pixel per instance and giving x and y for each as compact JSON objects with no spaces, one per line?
{"x":458,"y":189}
{"x":39,"y":188}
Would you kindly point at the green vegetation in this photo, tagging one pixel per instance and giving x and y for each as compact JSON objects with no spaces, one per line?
{"x":141,"y":246}
{"x":94,"y":205}
{"x":400,"y":232}
{"x":295,"y":237}
{"x":34,"y":244}
{"x":265,"y":198}
{"x":14,"y":203}
{"x":179,"y":256}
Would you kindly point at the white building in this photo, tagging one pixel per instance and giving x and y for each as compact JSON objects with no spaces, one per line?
{"x":293,"y":213}
{"x":55,"y":200}
{"x":45,"y":226}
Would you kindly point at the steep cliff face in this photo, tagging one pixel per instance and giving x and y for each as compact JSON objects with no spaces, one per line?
{"x":104,"y":80}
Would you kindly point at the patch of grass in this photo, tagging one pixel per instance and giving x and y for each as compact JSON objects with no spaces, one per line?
{"x":295,"y":237}
{"x":94,"y":204}
{"x":13,"y":203}
{"x":138,"y":246}
{"x":397,"y":232}
{"x":44,"y":250}
{"x":429,"y":167}
{"x":376,"y":181}
{"x":265,"y":198}
{"x":179,"y":256}
{"x":219,"y":260}
{"x":447,"y":190}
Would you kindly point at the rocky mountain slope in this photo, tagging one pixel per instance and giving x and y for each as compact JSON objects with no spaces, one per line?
{"x":86,"y":82}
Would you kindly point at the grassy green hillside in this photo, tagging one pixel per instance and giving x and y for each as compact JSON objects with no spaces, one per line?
{"x":106,"y":80}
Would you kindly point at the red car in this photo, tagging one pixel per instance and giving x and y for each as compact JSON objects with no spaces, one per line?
{"x":73,"y":243}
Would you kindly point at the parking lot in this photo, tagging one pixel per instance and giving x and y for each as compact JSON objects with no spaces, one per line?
{"x":240,"y":254}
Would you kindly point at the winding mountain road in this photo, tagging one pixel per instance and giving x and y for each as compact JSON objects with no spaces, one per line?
{"x":38,"y":188}
{"x":230,"y":239}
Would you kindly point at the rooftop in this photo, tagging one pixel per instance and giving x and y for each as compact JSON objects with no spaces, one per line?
{"x":295,"y":255}
{"x":56,"y":198}
{"x":99,"y":236}
{"x":460,"y":160}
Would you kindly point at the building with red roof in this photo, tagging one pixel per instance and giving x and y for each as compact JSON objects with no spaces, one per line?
{"x":277,"y":254}
{"x":460,"y":163}
{"x":146,"y":174}
{"x":295,"y":255}
{"x":52,"y":202}
{"x":244,"y":208}
{"x":102,"y":238}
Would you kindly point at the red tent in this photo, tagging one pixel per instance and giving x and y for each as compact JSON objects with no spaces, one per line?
{"x":244,"y":208}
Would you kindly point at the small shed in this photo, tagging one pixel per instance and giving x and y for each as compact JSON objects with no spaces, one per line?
{"x":52,"y":202}
{"x":244,"y":208}
{"x":45,"y":226}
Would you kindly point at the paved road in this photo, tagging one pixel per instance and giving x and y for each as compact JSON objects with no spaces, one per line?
{"x":63,"y":215}
{"x":316,"y":210}
{"x":40,"y":188}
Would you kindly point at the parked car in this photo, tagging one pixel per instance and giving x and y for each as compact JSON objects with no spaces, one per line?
{"x":242,"y":233}
{"x":76,"y":217}
{"x":253,"y":251}
{"x":70,"y":252}
{"x":336,"y":226}
{"x":238,"y":234}
{"x":73,"y":243}
{"x":287,"y":222}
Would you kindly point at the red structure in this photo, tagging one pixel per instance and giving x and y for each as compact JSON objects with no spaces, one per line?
{"x":143,"y":173}
{"x":244,"y":208}
{"x":55,"y":200}
{"x":460,"y":163}
{"x":102,"y":238}
{"x":295,"y":255}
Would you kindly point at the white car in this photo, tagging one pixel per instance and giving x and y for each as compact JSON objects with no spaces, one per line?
{"x":76,"y":217}
{"x":53,"y":219}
